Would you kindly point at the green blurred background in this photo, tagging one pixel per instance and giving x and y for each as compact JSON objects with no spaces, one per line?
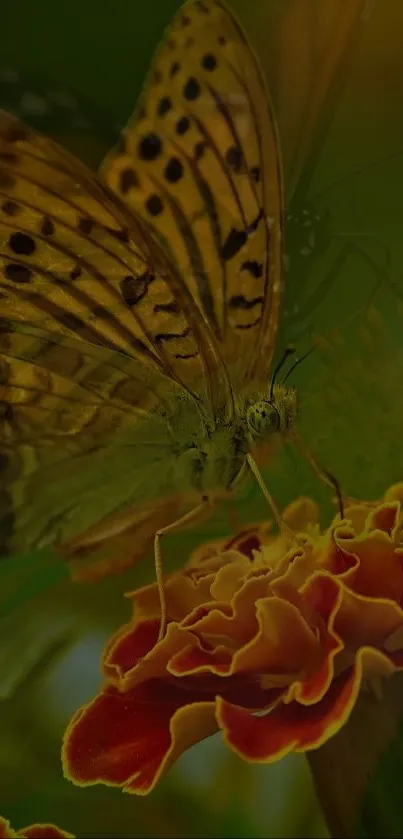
{"x":74,"y":70}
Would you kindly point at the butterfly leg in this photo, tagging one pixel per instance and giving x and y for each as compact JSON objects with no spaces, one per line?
{"x":322,"y":473}
{"x":188,"y":517}
{"x":283,"y":528}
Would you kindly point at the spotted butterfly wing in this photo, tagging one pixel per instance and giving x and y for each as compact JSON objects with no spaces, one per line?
{"x":96,"y":326}
{"x":199,"y":162}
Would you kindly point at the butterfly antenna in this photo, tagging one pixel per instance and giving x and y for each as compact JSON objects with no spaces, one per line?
{"x":297,"y":362}
{"x":289,"y":351}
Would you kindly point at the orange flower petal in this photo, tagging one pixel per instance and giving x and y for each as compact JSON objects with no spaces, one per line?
{"x":182,"y":594}
{"x":380,"y":569}
{"x":129,"y":740}
{"x":324,"y":593}
{"x":301,"y":514}
{"x":384,"y":517}
{"x":236,"y":621}
{"x":365,"y":621}
{"x":193,"y":659}
{"x":284,"y":643}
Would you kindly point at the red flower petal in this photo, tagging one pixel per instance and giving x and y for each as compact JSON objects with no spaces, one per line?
{"x":129,"y":645}
{"x":44,"y":831}
{"x":33,"y":831}
{"x":296,"y":727}
{"x":6,"y":832}
{"x":130,"y":739}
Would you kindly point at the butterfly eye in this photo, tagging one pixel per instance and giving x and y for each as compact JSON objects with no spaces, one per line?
{"x":263,"y":418}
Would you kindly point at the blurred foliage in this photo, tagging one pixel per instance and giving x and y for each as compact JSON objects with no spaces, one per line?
{"x":74,"y":70}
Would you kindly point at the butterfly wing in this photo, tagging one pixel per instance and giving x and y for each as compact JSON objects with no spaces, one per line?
{"x":96,"y":326}
{"x":313,"y":45}
{"x":199,"y":163}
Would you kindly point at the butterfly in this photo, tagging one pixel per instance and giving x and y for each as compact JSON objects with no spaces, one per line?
{"x":139,"y":309}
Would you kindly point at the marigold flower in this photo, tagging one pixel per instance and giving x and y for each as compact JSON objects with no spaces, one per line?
{"x":34,"y":831}
{"x":269,"y":639}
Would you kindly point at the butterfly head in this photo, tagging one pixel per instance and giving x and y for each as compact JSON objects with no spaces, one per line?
{"x":274,"y":414}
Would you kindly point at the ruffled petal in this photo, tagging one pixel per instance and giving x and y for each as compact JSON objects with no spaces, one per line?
{"x":130,"y":739}
{"x":296,"y":727}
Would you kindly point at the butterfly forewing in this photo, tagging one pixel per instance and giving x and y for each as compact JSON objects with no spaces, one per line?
{"x":199,"y":161}
{"x":70,"y":263}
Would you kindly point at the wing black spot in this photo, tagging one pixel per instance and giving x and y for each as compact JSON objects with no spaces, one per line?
{"x":135,"y":288}
{"x":150,"y":147}
{"x":253,"y":267}
{"x":172,"y":308}
{"x":85,"y":225}
{"x":173,"y":170}
{"x":164,"y":106}
{"x":240,"y":302}
{"x":191,"y":90}
{"x":175,"y":67}
{"x":209,"y":61}
{"x":183,"y":125}
{"x":199,"y":149}
{"x":233,"y":243}
{"x":22,"y":244}
{"x":154,"y":205}
{"x":121,"y":235}
{"x":18,"y":273}
{"x":170,"y":336}
{"x":235,"y":159}
{"x":248,"y":325}
{"x":128,"y":180}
